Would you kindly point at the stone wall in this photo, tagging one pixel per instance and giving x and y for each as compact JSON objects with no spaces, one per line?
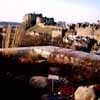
{"x":88,"y":32}
{"x":88,"y":65}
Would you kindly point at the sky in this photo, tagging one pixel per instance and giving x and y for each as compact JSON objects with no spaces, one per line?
{"x":70,"y":11}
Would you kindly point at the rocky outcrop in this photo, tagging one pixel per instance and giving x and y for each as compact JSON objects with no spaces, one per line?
{"x":84,"y":93}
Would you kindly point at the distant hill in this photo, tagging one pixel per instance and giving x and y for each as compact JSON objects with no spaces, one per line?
{"x":8,"y":23}
{"x":40,"y":29}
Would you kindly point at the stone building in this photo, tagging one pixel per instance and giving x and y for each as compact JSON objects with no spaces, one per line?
{"x":38,"y":19}
{"x":56,"y":33}
{"x":32,"y":19}
{"x":48,"y":21}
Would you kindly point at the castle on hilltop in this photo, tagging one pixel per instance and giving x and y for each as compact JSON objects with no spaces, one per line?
{"x":33,"y":19}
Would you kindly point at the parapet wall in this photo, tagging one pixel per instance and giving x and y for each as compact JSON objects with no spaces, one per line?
{"x":88,"y":64}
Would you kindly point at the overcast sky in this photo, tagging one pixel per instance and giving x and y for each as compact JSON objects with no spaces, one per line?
{"x":61,"y":10}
